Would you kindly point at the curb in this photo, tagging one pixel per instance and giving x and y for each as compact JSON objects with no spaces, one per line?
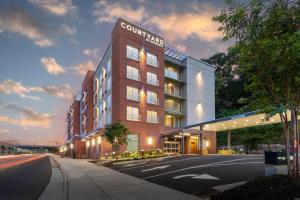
{"x":57,"y":188}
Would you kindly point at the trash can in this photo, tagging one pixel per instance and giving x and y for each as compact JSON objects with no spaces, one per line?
{"x":275,"y":162}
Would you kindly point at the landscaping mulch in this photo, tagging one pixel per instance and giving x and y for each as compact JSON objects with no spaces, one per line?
{"x":267,"y":188}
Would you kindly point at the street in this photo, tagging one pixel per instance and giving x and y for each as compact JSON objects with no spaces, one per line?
{"x":196,"y":174}
{"x":25,"y":181}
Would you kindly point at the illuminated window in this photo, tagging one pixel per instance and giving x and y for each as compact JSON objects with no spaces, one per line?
{"x":108,"y":84}
{"x":133,"y":113}
{"x":152,"y":97}
{"x":152,"y":60}
{"x":132,"y":93}
{"x":108,"y":66}
{"x":132,"y":53}
{"x":152,"y":78}
{"x":133,"y":73}
{"x":152,"y":116}
{"x":109,"y":118}
{"x":108,"y":100}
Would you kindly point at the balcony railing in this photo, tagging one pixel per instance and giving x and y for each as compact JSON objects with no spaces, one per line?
{"x":173,"y":109}
{"x":176,"y":94}
{"x":173,"y":75}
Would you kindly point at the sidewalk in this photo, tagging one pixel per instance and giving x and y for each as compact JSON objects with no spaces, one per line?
{"x":89,"y":181}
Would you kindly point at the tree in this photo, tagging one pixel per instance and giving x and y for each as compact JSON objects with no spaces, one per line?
{"x":231,"y":97}
{"x":268,"y":54}
{"x":116,"y":134}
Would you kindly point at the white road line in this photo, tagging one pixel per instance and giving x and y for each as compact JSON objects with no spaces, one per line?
{"x":134,"y":164}
{"x":201,"y":166}
{"x":197,"y":176}
{"x":171,"y":161}
{"x":154,"y":168}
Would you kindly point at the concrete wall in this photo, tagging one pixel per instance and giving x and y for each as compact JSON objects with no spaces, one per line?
{"x":199,"y":91}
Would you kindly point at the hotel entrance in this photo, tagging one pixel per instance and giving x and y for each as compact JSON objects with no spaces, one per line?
{"x":179,"y":142}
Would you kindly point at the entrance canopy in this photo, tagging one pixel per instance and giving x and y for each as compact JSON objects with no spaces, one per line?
{"x":249,"y":119}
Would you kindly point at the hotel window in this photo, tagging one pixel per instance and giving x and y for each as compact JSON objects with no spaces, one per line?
{"x":152,"y":116}
{"x":108,"y":100}
{"x":109,"y":118}
{"x":133,"y":73}
{"x":103,"y":106}
{"x":132,"y":93}
{"x":96,"y":84}
{"x":100,"y":93}
{"x":108,"y":84}
{"x":96,"y":113}
{"x":133,"y":113}
{"x":108,"y":66}
{"x":132,"y":53}
{"x":152,"y":78}
{"x":152,"y":60}
{"x":152,"y":97}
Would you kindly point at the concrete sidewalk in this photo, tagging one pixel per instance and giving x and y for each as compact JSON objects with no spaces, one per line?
{"x":89,"y":181}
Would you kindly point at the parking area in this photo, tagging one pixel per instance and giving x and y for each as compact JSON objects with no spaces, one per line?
{"x":196,"y":174}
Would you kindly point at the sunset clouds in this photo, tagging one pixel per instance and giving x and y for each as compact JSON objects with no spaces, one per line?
{"x":52,"y":66}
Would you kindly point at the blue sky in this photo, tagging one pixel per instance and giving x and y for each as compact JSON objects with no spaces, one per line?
{"x":48,"y":45}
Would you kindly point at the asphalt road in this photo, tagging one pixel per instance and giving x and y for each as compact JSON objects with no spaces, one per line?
{"x":25,"y":181}
{"x":197,"y":174}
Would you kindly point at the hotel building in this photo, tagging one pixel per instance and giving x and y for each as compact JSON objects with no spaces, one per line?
{"x":154,"y":90}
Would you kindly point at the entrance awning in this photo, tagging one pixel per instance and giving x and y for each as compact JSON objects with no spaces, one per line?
{"x":249,"y":119}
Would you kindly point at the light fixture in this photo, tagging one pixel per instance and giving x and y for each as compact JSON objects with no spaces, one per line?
{"x":65,"y":148}
{"x":71,"y":146}
{"x":99,"y":139}
{"x":88,"y":143}
{"x":149,"y":140}
{"x":93,"y":142}
{"x":207,"y":143}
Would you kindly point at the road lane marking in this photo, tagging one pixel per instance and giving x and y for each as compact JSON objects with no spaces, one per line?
{"x":154,"y":168}
{"x":222,"y":163}
{"x":134,"y":164}
{"x":171,"y":161}
{"x":197,"y":176}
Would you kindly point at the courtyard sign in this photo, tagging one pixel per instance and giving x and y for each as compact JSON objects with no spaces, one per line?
{"x":148,"y":36}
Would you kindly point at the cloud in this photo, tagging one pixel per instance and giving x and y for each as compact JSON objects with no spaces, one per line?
{"x":180,"y":47}
{"x":4,"y":130}
{"x":15,"y":19}
{"x":26,"y":117}
{"x":55,"y":7}
{"x":110,"y":12}
{"x":182,"y":26}
{"x":82,"y":68}
{"x":63,"y":91}
{"x":174,"y":24}
{"x":52,"y":66}
{"x":91,"y":52}
{"x":14,"y":87}
{"x":71,"y":30}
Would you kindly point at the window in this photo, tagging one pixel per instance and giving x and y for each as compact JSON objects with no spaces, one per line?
{"x":132,"y":143}
{"x":152,"y":60}
{"x":108,"y":84}
{"x":171,"y":73}
{"x":133,"y":113}
{"x":132,"y":53}
{"x":152,"y":78}
{"x":152,"y":97}
{"x":133,"y":73}
{"x":108,"y":66}
{"x":100,"y":93}
{"x":132,"y":93}
{"x":103,"y":106}
{"x":108,"y":100}
{"x":96,"y":86}
{"x":152,"y":116}
{"x":109,"y":118}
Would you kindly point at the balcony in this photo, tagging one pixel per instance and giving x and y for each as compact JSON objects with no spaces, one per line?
{"x":173,"y":75}
{"x":174,"y":94}
{"x":173,"y":110}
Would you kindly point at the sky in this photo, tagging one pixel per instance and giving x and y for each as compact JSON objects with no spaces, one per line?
{"x":47,"y":46}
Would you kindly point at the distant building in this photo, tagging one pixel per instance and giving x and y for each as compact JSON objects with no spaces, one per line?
{"x":154,"y":90}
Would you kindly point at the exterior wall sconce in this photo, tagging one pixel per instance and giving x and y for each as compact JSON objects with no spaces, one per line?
{"x":93,"y":142}
{"x":87,"y":143}
{"x":150,"y":141}
{"x":71,"y":146}
{"x":99,"y":140}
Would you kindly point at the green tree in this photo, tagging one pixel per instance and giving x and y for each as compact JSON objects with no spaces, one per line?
{"x":116,"y":134}
{"x":268,"y":53}
{"x":231,"y":97}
